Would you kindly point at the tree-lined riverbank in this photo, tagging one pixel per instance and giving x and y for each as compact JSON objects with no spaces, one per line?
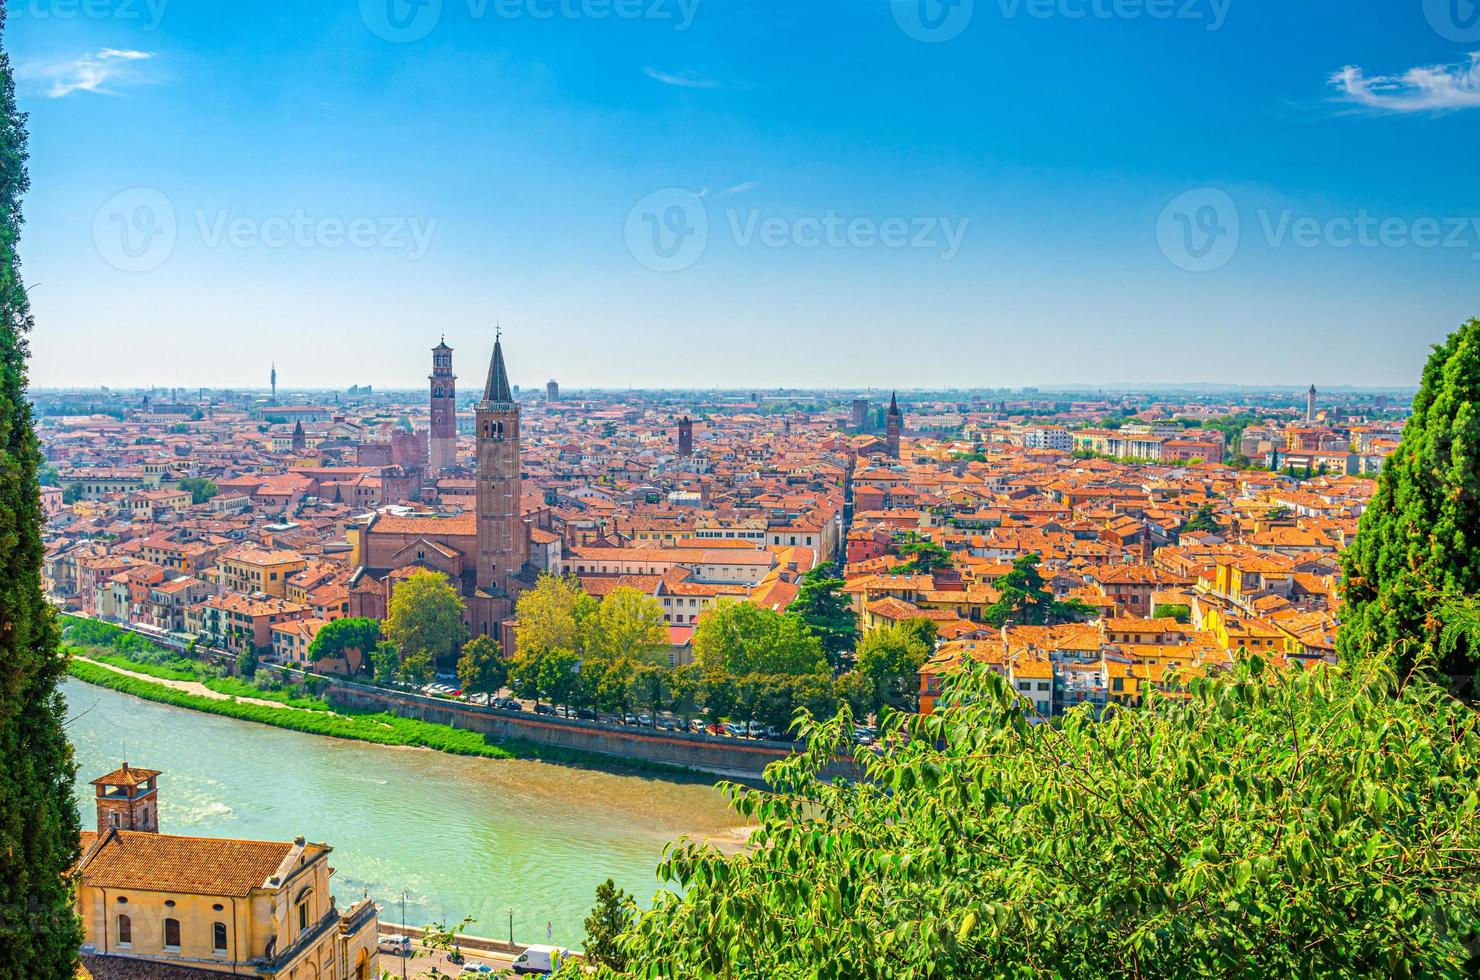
{"x":375,"y":727}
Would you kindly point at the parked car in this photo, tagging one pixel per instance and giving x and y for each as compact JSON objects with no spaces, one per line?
{"x":629,"y":719}
{"x":697,"y":726}
{"x":646,"y":721}
{"x":735,"y":729}
{"x":445,"y":675}
{"x":475,"y":970}
{"x":541,"y":708}
{"x":508,"y":704}
{"x":669,"y":724}
{"x":776,"y":735}
{"x":540,"y":959}
{"x":396,"y":945}
{"x":585,"y":714}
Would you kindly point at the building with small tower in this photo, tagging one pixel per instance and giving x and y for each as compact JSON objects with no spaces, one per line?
{"x":686,"y":436}
{"x":197,"y":908}
{"x":1310,"y":404}
{"x":127,"y":799}
{"x":485,"y":553}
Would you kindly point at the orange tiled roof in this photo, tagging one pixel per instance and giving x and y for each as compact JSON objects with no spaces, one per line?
{"x":186,"y":865}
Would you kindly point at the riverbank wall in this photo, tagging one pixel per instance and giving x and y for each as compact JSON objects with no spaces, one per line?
{"x":732,"y":757}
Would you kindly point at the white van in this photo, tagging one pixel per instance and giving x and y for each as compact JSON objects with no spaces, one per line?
{"x":540,"y":959}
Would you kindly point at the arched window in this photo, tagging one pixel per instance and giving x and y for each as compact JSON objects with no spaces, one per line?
{"x":125,"y":930}
{"x":303,"y":902}
{"x":172,"y":935}
{"x":113,"y":820}
{"x":218,"y":937}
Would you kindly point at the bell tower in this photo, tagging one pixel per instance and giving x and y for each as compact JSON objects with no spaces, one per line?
{"x":128,"y":799}
{"x":502,"y":545}
{"x":893,"y":424}
{"x":443,"y":444}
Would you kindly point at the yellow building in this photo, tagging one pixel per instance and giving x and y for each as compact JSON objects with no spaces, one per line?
{"x":252,"y":569}
{"x":160,"y":905}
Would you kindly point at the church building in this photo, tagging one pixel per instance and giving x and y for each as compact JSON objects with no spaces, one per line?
{"x":484,"y":553}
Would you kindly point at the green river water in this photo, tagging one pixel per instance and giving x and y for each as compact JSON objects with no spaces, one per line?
{"x":460,"y":836}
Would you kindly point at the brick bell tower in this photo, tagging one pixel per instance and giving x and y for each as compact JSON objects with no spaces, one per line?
{"x":128,"y":799}
{"x":503,"y":547}
{"x":893,"y":425}
{"x":442,"y":445}
{"x":686,"y":436}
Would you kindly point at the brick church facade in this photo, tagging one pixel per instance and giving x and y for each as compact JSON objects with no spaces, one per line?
{"x":484,"y":553}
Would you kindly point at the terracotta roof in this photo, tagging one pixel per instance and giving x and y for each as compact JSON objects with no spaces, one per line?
{"x":186,"y":865}
{"x":100,"y":967}
{"x":126,"y":776}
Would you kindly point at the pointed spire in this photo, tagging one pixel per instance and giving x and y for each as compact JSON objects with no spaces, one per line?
{"x":497,"y":388}
{"x":893,"y":403}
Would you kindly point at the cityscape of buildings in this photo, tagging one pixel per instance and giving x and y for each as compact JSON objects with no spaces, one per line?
{"x":1193,"y":527}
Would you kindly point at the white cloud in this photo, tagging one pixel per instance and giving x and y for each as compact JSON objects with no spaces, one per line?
{"x":682,"y":79}
{"x":1429,"y":89}
{"x":749,"y":185}
{"x":91,"y":72}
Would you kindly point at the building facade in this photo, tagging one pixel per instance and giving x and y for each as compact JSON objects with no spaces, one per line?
{"x":162,"y":905}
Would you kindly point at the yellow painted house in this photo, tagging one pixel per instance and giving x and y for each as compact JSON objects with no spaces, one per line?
{"x":163,"y":905}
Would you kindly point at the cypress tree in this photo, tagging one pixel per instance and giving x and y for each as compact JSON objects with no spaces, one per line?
{"x":39,"y":930}
{"x":1417,"y":546}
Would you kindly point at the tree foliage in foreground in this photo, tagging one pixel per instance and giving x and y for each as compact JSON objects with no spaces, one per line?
{"x":1309,"y":823}
{"x":39,"y":932}
{"x":1418,"y":542}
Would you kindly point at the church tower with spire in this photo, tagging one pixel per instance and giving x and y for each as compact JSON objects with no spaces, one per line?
{"x":893,"y":425}
{"x":503,"y":545}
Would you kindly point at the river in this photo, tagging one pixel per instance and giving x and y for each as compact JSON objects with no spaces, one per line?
{"x":460,"y":836}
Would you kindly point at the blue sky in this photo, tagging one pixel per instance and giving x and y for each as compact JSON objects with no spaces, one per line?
{"x":747,"y":192}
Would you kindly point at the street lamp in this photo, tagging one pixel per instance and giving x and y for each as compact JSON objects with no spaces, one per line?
{"x":511,"y":927}
{"x":403,"y":926}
